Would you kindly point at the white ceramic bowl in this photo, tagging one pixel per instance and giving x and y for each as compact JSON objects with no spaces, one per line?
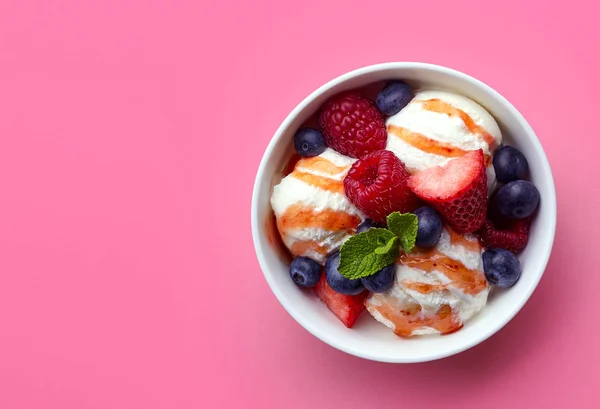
{"x":370,"y":339}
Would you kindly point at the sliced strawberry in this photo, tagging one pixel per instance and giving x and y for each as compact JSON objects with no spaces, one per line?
{"x":346,"y":307}
{"x":457,"y":190}
{"x":511,"y":235}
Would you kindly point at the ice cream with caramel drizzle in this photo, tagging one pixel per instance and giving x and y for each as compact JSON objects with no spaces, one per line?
{"x":438,"y":126}
{"x":436,"y":290}
{"x":314,"y":216}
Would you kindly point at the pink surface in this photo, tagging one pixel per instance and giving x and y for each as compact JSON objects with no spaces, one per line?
{"x":127,"y":273}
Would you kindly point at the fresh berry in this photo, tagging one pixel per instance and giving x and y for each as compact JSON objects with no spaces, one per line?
{"x":393,"y":97}
{"x":509,"y":164}
{"x":368,"y":224}
{"x":377,"y":185}
{"x":352,"y":125}
{"x":457,"y":190}
{"x":309,"y":142}
{"x":502,"y":268}
{"x":430,"y":226}
{"x":337,"y":281}
{"x":305,"y":272}
{"x":511,"y":235}
{"x":346,"y":307}
{"x":380,"y":281}
{"x":516,"y":200}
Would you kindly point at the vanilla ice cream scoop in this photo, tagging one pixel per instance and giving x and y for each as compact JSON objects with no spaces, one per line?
{"x":435,"y":290}
{"x":314,"y":216}
{"x":437,"y":126}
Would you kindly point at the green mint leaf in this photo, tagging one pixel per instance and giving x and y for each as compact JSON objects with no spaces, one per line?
{"x":368,"y":252}
{"x":405,"y":227}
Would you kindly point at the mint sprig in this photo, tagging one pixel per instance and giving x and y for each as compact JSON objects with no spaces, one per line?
{"x":405,"y":227}
{"x":368,"y":252}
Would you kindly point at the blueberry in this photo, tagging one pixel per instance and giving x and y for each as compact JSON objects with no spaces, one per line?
{"x":367,"y":224}
{"x":309,"y":142}
{"x":338,"y":282}
{"x":502,"y":268}
{"x":517,"y":199}
{"x":305,"y":272}
{"x":430,"y":226}
{"x":380,"y":281}
{"x":509,"y":164}
{"x":393,"y":97}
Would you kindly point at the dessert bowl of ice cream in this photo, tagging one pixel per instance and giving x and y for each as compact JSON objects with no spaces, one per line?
{"x":403,"y":212}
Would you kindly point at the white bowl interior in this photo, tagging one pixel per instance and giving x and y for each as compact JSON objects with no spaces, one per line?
{"x":370,"y":339}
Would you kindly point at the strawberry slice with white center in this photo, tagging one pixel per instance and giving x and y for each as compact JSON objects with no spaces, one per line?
{"x":457,"y":190}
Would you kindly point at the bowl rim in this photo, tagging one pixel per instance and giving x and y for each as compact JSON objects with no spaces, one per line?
{"x":549,"y":202}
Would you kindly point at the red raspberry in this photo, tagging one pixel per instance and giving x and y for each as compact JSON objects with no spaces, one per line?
{"x":457,"y":190}
{"x":352,"y":125}
{"x":511,"y":235}
{"x":378,"y":185}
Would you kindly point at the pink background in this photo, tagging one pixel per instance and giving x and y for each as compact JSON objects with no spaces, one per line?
{"x":127,"y":273}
